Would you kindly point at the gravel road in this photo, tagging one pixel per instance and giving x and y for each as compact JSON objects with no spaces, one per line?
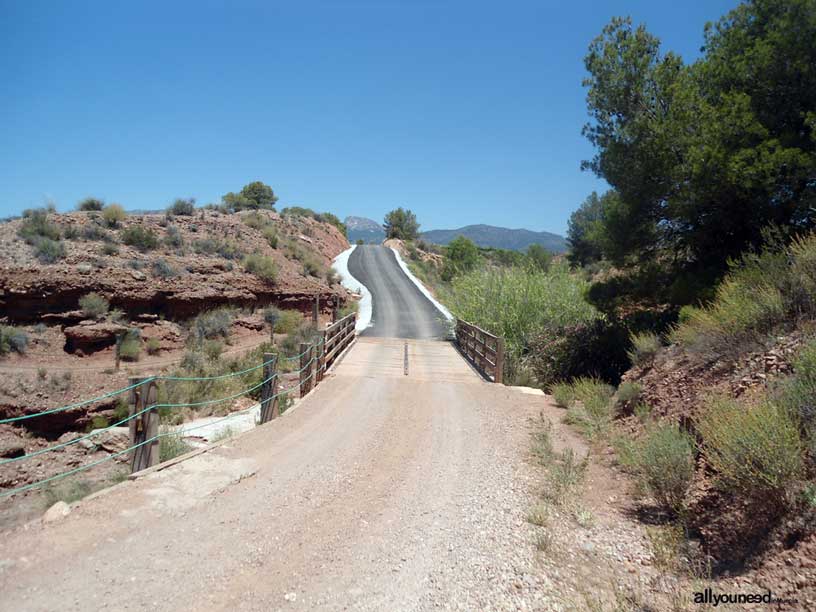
{"x":399,"y":308}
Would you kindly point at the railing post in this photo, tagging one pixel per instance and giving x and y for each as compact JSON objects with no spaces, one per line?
{"x":268,"y":405}
{"x":498,"y":377}
{"x":321,"y":357}
{"x":316,"y":309}
{"x":145,"y":426}
{"x":335,"y":310}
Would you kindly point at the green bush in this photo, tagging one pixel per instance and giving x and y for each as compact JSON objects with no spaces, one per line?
{"x":563,"y":394}
{"x":592,"y":413}
{"x":130,"y":349}
{"x":36,"y":225}
{"x":644,"y":348}
{"x":171,"y":445}
{"x":110,"y":249}
{"x":162,"y":269}
{"x":49,"y":251}
{"x":288,"y":321}
{"x":663,"y":461}
{"x":91,"y":204}
{"x":12,"y":339}
{"x":262,"y":266}
{"x":71,"y":233}
{"x":93,"y":305}
{"x":173,"y":238}
{"x":113,"y":215}
{"x":271,"y":236}
{"x":152,"y":346}
{"x":213,"y":324}
{"x":212,"y":349}
{"x":91,"y":231}
{"x":182,"y":207}
{"x":628,"y":393}
{"x":312,"y":267}
{"x":594,"y":349}
{"x":521,"y":304}
{"x":143,"y":238}
{"x":755,"y":451}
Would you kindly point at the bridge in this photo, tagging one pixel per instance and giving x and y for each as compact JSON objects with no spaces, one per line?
{"x":393,"y":485}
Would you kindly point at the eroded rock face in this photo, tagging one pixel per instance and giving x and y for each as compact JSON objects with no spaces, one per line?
{"x":90,"y":336}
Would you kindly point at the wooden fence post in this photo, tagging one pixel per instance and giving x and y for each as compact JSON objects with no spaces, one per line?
{"x":321,"y":357}
{"x":335,"y":310}
{"x":145,"y":426}
{"x":498,"y":377}
{"x":270,"y":366}
{"x":306,"y":367}
{"x":316,"y":309}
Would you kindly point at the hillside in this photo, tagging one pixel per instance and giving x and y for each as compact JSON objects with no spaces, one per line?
{"x":499,"y":237}
{"x":367,"y":230}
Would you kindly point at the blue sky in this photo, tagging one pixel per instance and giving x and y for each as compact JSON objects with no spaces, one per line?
{"x":465,"y":112}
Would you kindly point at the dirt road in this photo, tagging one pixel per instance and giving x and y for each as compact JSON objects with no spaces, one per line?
{"x":380,"y":491}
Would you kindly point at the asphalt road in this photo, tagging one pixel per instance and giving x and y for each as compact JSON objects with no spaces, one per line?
{"x":399,"y":308}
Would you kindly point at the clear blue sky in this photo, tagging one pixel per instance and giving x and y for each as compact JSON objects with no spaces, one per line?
{"x":465,"y":112}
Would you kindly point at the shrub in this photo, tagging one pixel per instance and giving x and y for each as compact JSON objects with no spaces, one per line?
{"x":255,"y":220}
{"x":663,"y":461}
{"x":91,"y":231}
{"x":593,"y":349}
{"x":130,"y":349}
{"x":171,"y":445}
{"x":628,"y":393}
{"x":213,"y":324}
{"x":162,"y":269}
{"x":332,"y":277}
{"x":271,"y":236}
{"x":288,"y":321}
{"x":113,"y":214}
{"x":644,"y":348}
{"x":311,"y":267}
{"x":152,"y":346}
{"x":110,"y":249}
{"x":49,"y":251}
{"x":182,"y":207}
{"x":91,"y":204}
{"x":562,"y":394}
{"x":593,"y":414}
{"x":71,"y":233}
{"x":173,"y":237}
{"x":12,"y":339}
{"x":36,"y":225}
{"x":212,"y":349}
{"x":262,"y":266}
{"x":143,"y":238}
{"x":93,"y":305}
{"x":755,"y":451}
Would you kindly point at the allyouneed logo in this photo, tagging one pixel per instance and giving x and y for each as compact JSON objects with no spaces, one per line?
{"x":709,"y":597}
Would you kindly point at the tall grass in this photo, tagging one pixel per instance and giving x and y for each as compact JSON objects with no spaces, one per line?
{"x":518,"y":303}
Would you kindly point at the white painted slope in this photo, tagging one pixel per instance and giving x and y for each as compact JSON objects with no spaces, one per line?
{"x":340,"y":264}
{"x":421,"y":287}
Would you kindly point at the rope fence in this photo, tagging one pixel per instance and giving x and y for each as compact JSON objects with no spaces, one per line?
{"x":313,"y":365}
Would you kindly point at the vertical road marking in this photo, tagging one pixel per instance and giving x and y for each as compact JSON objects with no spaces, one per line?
{"x":406,"y":359}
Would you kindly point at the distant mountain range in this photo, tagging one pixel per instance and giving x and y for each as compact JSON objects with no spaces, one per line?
{"x":499,"y":237}
{"x":367,"y":230}
{"x":372,"y":232}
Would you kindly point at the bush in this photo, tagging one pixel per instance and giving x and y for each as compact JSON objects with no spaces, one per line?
{"x":213,"y":324}
{"x":49,"y":251}
{"x":644,"y":348}
{"x":562,"y":394}
{"x":71,"y":233}
{"x":110,"y":249}
{"x":592,"y":413}
{"x":271,"y":236}
{"x":91,"y":231}
{"x":152,"y":346}
{"x":593,"y":349}
{"x":113,"y":214}
{"x":756,"y":451}
{"x":171,"y":445}
{"x":12,"y":339}
{"x":312,"y":267}
{"x":288,"y":321}
{"x":93,"y":305}
{"x":628,"y":393}
{"x":182,"y":207}
{"x":332,"y":277}
{"x":91,"y":204}
{"x":36,"y":225}
{"x":262,"y":266}
{"x":663,"y":461}
{"x":130,"y":348}
{"x":522,"y":304}
{"x":212,"y":349}
{"x":162,"y":269}
{"x":271,"y":316}
{"x":173,"y":238}
{"x":143,"y":238}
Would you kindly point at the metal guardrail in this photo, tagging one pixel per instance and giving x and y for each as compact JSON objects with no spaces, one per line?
{"x":484,"y":350}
